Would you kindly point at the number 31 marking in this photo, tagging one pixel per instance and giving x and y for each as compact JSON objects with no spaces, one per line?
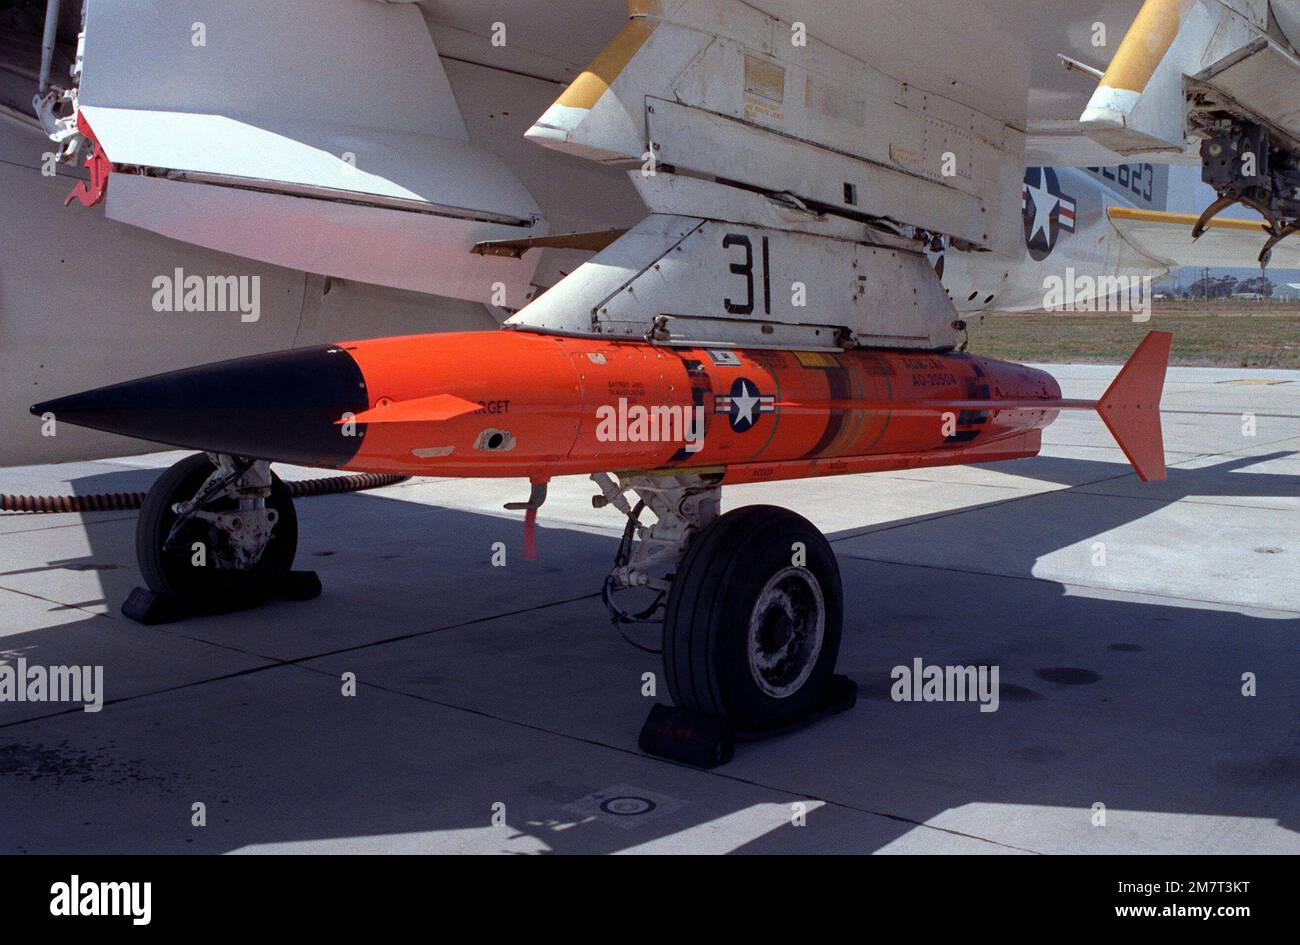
{"x":746,"y":269}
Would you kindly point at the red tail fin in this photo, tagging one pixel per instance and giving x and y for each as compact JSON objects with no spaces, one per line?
{"x":1130,"y":408}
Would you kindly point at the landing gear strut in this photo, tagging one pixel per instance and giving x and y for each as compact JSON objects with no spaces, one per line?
{"x":1243,"y":163}
{"x":752,"y":618}
{"x":216,"y":534}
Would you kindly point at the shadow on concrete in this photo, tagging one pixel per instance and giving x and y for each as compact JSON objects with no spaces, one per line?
{"x":480,"y":685}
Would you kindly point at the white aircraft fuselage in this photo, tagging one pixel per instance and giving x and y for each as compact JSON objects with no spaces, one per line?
{"x":1068,"y":240}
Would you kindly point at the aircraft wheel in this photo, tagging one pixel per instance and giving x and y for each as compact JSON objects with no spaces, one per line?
{"x":752,"y":628}
{"x":208,"y":578}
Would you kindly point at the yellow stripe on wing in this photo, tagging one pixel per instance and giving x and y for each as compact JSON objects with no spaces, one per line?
{"x":595,"y":81}
{"x":1145,"y":44}
{"x":1184,"y":219}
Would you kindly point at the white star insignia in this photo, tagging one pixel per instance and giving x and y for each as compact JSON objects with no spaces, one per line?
{"x":1044,"y":203}
{"x":745,"y":404}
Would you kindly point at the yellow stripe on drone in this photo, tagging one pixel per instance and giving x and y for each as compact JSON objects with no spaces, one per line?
{"x":1145,"y":44}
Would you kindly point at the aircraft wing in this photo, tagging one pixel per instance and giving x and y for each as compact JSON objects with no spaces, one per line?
{"x":317,"y":135}
{"x":1167,"y":238}
{"x":921,"y":115}
{"x":1085,"y":80}
{"x":924,"y":114}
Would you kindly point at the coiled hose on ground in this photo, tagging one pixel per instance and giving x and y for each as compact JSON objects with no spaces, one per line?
{"x":123,"y":501}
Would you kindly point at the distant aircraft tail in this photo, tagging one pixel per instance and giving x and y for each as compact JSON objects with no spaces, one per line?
{"x":1144,"y":186}
{"x":1130,"y":408}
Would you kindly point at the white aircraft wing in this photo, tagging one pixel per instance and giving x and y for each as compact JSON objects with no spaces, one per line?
{"x":926,"y":113}
{"x":334,"y":118}
{"x":1085,"y":80}
{"x":1167,"y":238}
{"x":319,"y":135}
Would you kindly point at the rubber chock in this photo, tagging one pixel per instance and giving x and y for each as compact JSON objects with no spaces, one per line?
{"x":841,"y":695}
{"x":709,"y":741}
{"x":145,"y":607}
{"x":150,"y":609}
{"x":299,"y":586}
{"x":704,"y":741}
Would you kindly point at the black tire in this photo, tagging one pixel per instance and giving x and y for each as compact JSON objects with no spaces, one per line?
{"x":172,"y":573}
{"x":707,"y":646}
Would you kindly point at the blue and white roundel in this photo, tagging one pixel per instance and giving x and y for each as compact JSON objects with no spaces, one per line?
{"x":744,"y":405}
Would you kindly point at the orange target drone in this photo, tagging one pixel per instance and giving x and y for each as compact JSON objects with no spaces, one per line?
{"x":779,"y":314}
{"x":752,"y":605}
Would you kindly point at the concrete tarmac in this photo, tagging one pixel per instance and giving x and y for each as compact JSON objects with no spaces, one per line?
{"x":496,"y":709}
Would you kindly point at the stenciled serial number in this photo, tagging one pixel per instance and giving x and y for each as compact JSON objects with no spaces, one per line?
{"x":936,"y":379}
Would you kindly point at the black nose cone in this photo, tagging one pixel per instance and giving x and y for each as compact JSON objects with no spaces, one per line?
{"x":283,"y":406}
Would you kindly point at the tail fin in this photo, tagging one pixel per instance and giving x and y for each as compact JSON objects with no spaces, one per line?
{"x":1130,"y":408}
